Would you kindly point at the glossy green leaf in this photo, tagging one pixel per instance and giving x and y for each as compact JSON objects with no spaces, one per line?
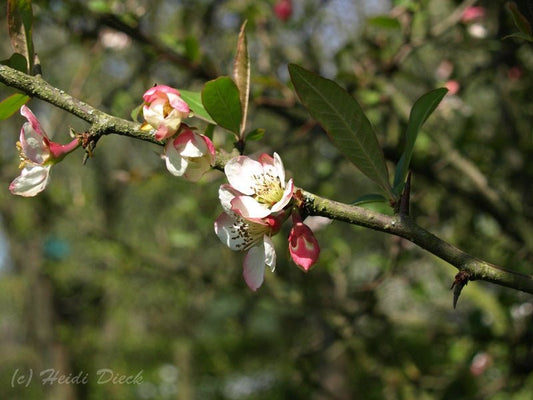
{"x":420,"y":112}
{"x":241,"y":74}
{"x":12,"y":104}
{"x":20,"y":22}
{"x":16,"y":61}
{"x":221,"y":100}
{"x":344,"y":121}
{"x":194,"y":101}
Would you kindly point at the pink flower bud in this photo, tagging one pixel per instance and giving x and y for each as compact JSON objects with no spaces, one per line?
{"x":283,"y":10}
{"x":303,"y":245}
{"x":164,"y":110}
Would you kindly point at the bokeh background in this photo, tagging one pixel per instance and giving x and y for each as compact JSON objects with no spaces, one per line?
{"x":116,"y":265}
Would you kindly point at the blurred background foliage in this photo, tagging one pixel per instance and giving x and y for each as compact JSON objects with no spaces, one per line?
{"x":116,"y":264}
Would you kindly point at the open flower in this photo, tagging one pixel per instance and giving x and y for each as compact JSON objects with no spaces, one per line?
{"x":164,"y":110}
{"x":37,"y":155}
{"x":260,"y":185}
{"x":303,"y":245}
{"x":189,"y":154}
{"x":252,"y":236}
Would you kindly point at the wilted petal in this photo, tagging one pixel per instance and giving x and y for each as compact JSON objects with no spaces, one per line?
{"x":31,"y":181}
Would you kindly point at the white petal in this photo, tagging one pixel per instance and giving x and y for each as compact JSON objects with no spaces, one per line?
{"x":31,"y":181}
{"x":176,"y":164}
{"x":280,"y":169}
{"x":228,"y":232}
{"x":226,"y":193}
{"x":33,"y":144}
{"x":270,"y":253}
{"x":240,"y":171}
{"x":254,"y":267}
{"x":287,"y":196}
{"x":249,"y":207}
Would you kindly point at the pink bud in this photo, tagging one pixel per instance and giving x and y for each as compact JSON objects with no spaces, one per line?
{"x":283,"y":10}
{"x":473,"y":14}
{"x":303,"y":245}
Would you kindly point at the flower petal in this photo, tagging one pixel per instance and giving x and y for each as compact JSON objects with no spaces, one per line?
{"x":248,"y":207}
{"x":240,"y":172}
{"x":254,"y":267}
{"x":226,"y":193}
{"x":229,"y":233}
{"x":176,"y":164}
{"x":31,"y":181}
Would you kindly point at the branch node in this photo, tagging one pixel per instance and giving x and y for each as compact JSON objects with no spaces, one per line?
{"x":460,"y":281}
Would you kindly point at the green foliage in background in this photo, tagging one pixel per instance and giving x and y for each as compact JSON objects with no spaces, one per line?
{"x":117,"y":267}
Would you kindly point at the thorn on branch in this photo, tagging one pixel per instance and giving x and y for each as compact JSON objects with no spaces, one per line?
{"x":460,"y":281}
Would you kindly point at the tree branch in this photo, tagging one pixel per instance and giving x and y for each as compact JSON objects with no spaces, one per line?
{"x":101,"y":123}
{"x":471,"y":268}
{"x":404,"y":226}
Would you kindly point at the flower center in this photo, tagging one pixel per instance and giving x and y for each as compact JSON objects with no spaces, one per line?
{"x":268,"y":188}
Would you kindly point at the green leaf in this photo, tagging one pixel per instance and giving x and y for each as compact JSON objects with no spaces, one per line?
{"x":20,"y":21}
{"x":384,"y":22}
{"x":519,"y":35}
{"x":16,"y":61}
{"x":256,"y":134}
{"x":369,"y":198}
{"x":135,"y":112}
{"x":519,"y":20}
{"x":241,"y":75}
{"x":220,"y":98}
{"x":344,"y":121}
{"x":194,"y":100}
{"x":12,"y":104}
{"x":420,"y":112}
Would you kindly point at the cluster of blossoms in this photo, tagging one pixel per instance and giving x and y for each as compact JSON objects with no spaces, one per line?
{"x":256,"y":201}
{"x":187,"y":153}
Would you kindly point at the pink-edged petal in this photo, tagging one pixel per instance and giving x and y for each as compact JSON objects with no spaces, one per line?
{"x":176,"y":164}
{"x":280,"y":169}
{"x":34,"y":145}
{"x":178,"y":103}
{"x":158,"y":91}
{"x":190,"y":144}
{"x":240,"y":172}
{"x":31,"y":181}
{"x":226,"y":193}
{"x":163,"y":132}
{"x":248,"y":207}
{"x":32,"y":119}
